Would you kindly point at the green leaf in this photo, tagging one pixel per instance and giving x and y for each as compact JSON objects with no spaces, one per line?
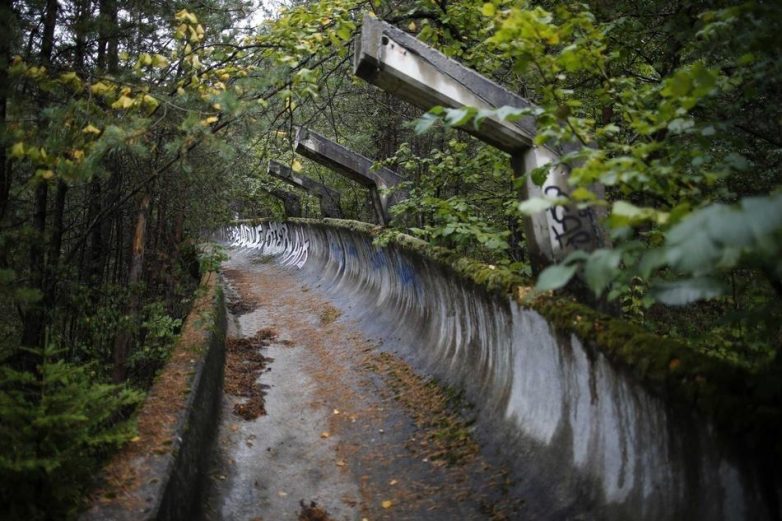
{"x":555,"y":277}
{"x":683,"y":292}
{"x":601,"y":268}
{"x":535,"y":205}
{"x":507,"y":113}
{"x":459,"y":117}
{"x":488,"y":9}
{"x":424,"y":123}
{"x":539,"y":175}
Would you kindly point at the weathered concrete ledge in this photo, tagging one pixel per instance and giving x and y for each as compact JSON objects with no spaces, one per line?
{"x":606,"y":420}
{"x":159,"y":475}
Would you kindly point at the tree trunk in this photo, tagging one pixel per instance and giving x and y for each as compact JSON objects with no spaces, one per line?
{"x":6,"y":25}
{"x":55,"y":247}
{"x":122,"y":342}
{"x":83,"y":13}
{"x":35,"y":319}
{"x":49,"y":23}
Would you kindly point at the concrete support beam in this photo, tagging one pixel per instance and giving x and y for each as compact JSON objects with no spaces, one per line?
{"x":403,"y":65}
{"x":329,"y":198}
{"x":353,"y":166}
{"x":291,"y":203}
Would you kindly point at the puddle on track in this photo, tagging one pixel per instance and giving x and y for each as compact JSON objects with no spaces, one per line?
{"x":334,"y":433}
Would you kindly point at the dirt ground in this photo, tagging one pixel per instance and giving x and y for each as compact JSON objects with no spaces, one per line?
{"x":338,"y":429}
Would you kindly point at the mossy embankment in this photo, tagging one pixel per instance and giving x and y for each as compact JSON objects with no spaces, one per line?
{"x":157,"y":475}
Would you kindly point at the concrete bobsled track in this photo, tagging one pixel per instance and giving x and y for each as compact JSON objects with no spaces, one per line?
{"x":583,"y":437}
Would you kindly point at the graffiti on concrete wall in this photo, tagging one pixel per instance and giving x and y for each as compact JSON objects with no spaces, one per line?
{"x":571,"y":228}
{"x":271,"y":239}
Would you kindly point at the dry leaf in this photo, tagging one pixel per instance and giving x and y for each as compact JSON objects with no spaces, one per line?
{"x":282,"y":494}
{"x":324,"y":434}
{"x":340,"y":463}
{"x":393,"y":482}
{"x":386,"y":504}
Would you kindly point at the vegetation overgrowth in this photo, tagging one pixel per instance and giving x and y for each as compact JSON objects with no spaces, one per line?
{"x":131,"y":128}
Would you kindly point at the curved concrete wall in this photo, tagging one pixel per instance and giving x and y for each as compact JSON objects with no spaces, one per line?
{"x":589,"y":440}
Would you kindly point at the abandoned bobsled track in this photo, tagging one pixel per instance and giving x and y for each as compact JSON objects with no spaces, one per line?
{"x":556,"y":430}
{"x":347,"y":426}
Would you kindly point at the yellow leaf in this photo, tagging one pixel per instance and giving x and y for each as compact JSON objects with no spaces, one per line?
{"x":217,"y":106}
{"x":488,"y":9}
{"x":101,"y":88}
{"x":386,"y":504}
{"x":160,"y":61}
{"x":45,"y":174}
{"x":208,"y":121}
{"x":186,"y":16}
{"x":411,"y":26}
{"x":70,"y":78}
{"x":123,"y":102}
{"x":17,"y":150}
{"x":296,"y":166}
{"x":78,"y":154}
{"x":180,"y":91}
{"x":149,"y":101}
{"x":324,"y":435}
{"x":135,"y":439}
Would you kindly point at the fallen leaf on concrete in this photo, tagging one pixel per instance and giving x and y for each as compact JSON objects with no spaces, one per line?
{"x":234,"y":427}
{"x":324,"y":434}
{"x":282,"y":494}
{"x":313,"y":512}
{"x":393,"y":482}
{"x":340,"y":463}
{"x":386,"y":504}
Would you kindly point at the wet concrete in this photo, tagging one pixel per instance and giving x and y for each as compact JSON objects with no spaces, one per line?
{"x":342,"y":428}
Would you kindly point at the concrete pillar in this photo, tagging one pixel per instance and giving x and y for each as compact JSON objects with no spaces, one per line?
{"x":403,"y":65}
{"x":352,"y":165}
{"x":328,"y":197}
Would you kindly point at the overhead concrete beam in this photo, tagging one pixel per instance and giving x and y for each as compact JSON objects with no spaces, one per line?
{"x":352,"y":165}
{"x":401,"y":64}
{"x":328,"y":197}
{"x":291,"y":203}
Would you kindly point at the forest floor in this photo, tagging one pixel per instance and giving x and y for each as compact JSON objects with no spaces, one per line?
{"x":318,"y":423}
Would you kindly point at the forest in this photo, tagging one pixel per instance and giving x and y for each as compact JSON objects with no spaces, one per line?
{"x":132,"y":130}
